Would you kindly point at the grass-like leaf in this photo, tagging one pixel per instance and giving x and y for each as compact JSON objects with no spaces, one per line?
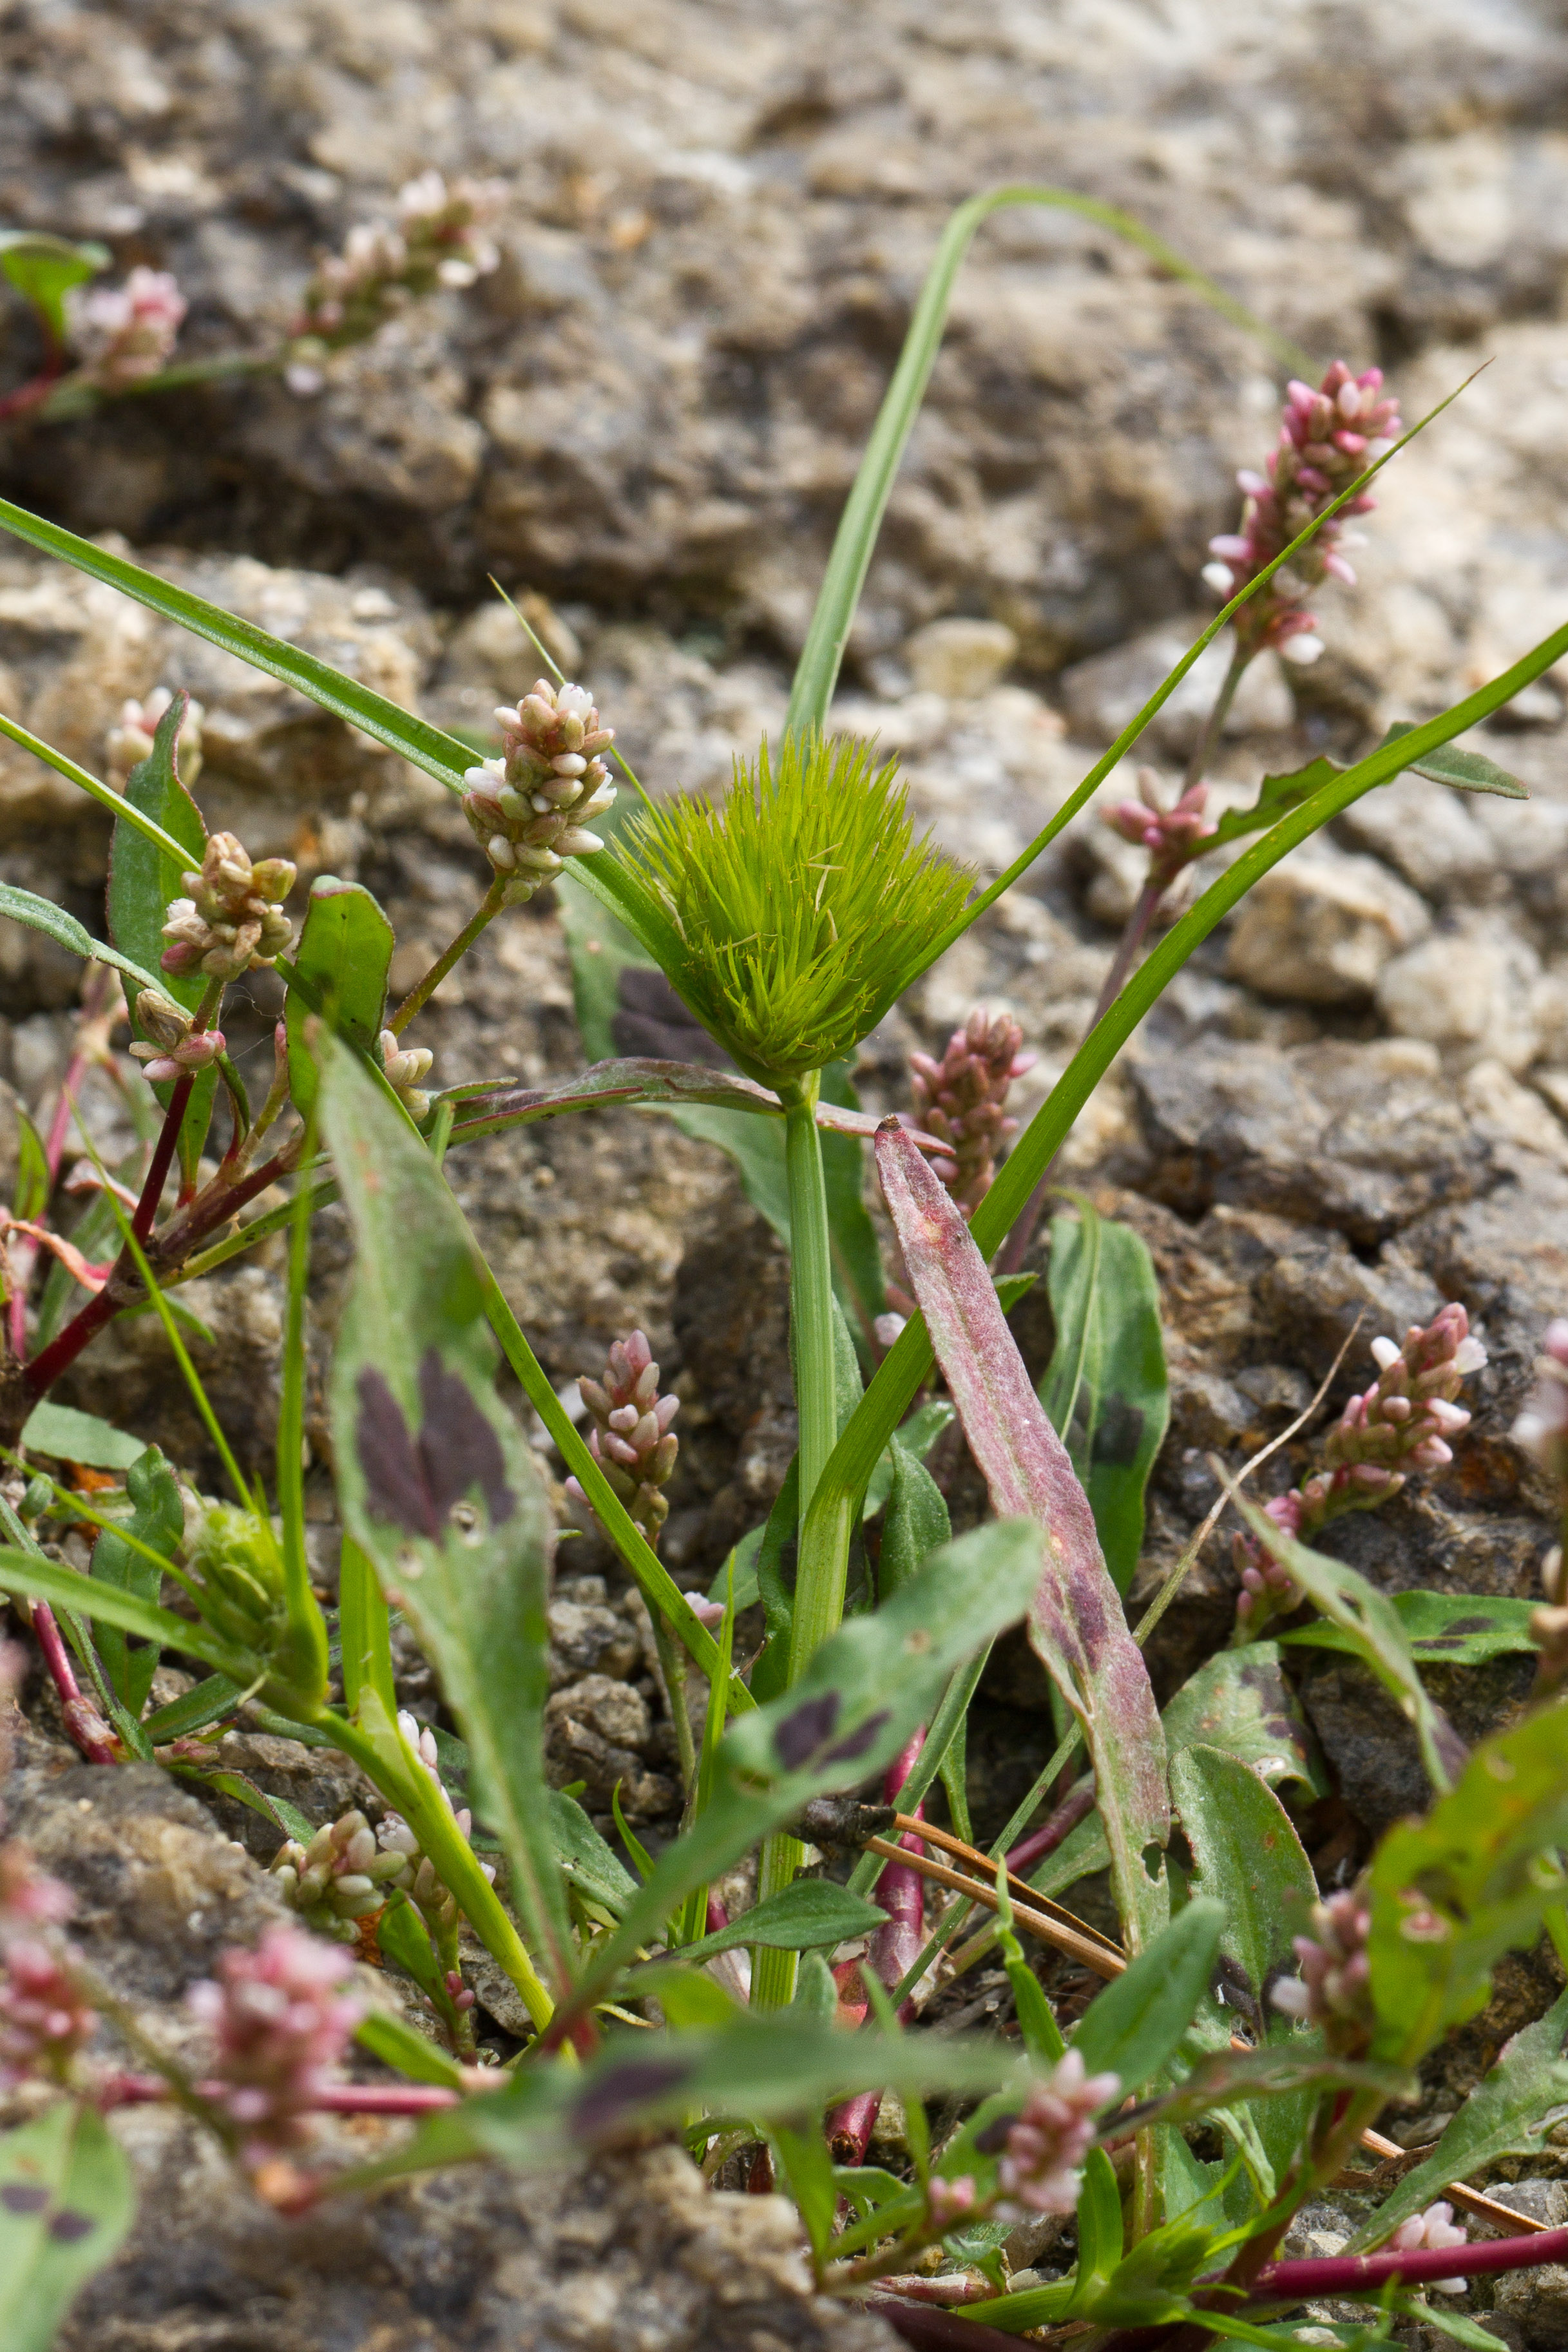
{"x":440,"y":754}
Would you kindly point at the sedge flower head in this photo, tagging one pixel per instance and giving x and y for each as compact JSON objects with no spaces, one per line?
{"x":791,"y":913}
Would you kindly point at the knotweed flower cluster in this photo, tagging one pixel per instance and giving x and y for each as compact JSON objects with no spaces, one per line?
{"x":440,"y":237}
{"x":1039,"y":2172}
{"x":233,"y":920}
{"x":130,"y":740}
{"x":632,"y":1439}
{"x":338,"y":1878}
{"x":529,"y":808}
{"x":1333,"y":1990}
{"x":1404,"y":1421}
{"x":1174,"y":837}
{"x":125,"y":333}
{"x":1542,"y":1427}
{"x":790,"y":914}
{"x":411,"y":1870}
{"x":1327,"y":437}
{"x":961,"y":1100}
{"x":404,"y":1066}
{"x":1430,"y":2233}
{"x":173,"y":1051}
{"x":44,"y":2018}
{"x":280,"y":2017}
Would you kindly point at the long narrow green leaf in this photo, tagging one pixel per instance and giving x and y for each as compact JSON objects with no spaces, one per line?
{"x":40,"y":1579}
{"x":440,"y":754}
{"x":43,"y":915}
{"x":103,"y":794}
{"x":817,"y":672}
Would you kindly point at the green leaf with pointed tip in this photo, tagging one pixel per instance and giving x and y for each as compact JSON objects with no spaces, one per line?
{"x":30,"y":1195}
{"x":42,"y":915}
{"x":1246,"y":1856}
{"x":66,"y":1435}
{"x":142,"y":880}
{"x":862,"y":1695}
{"x":1133,"y":2026}
{"x":209,"y":1702}
{"x":1456,"y":1629}
{"x":916,"y":1521}
{"x":440,"y":755}
{"x":400,"y":2046}
{"x":1240,"y":1701}
{"x":159,"y":1521}
{"x":344,"y":953}
{"x":1105,"y":1388}
{"x":586,"y":1862}
{"x":67,"y":2200}
{"x":809,"y":1913}
{"x":438,"y":1486}
{"x":1373,"y":1630}
{"x":62,"y":1588}
{"x":44,"y":269}
{"x":404,"y":1940}
{"x":1520,"y":2097}
{"x":1468,"y":771}
{"x":1451,"y":1893}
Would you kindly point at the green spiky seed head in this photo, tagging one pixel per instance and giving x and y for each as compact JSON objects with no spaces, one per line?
{"x":798,"y":906}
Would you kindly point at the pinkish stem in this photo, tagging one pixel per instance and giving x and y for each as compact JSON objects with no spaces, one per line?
{"x":895,"y":1948}
{"x":1051,"y":1834}
{"x":718,"y":1917}
{"x":82,"y":1719}
{"x":1364,"y":2274}
{"x":340,"y":2099}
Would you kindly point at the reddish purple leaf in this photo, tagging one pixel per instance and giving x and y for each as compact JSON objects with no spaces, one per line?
{"x":1075,"y":1625}
{"x":484,"y":1108}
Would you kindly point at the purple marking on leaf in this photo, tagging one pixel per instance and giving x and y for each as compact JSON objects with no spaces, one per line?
{"x":993,"y":2138}
{"x":67,"y":2228}
{"x":413,"y":1482}
{"x":1076,"y":1623}
{"x":611,"y":2102}
{"x":803,"y":1731}
{"x":18,"y":2198}
{"x":457,"y":1445}
{"x":396,"y":1491}
{"x":859,"y":1741}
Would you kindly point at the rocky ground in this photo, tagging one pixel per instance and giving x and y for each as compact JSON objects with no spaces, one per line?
{"x":1354,"y":1103}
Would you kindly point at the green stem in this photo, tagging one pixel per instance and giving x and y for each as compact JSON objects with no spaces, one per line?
{"x":672,"y":1665}
{"x":451,"y":1857}
{"x":819,"y":1601}
{"x":488,"y":908}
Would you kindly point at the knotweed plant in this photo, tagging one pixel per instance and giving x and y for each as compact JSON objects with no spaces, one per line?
{"x":1237,"y":2005}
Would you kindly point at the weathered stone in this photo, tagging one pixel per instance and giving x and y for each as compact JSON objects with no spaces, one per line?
{"x":960,"y":660}
{"x":1471,"y":993}
{"x":1319,"y":928}
{"x":471,"y":2256}
{"x":1102,"y":695}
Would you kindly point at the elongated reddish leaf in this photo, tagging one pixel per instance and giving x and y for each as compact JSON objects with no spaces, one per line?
{"x":484,"y":1108}
{"x":1075,"y":1625}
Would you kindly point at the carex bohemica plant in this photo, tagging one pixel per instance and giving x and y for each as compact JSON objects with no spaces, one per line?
{"x":1176,"y":2087}
{"x":801,"y":904}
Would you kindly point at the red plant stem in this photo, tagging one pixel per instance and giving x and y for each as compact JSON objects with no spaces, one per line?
{"x":78,"y":1712}
{"x":934,"y":2330}
{"x":718,"y":1919}
{"x":163,"y":1159}
{"x":174,"y":1244}
{"x":900,"y":1892}
{"x":1305,"y":2282}
{"x":1039,"y":1843}
{"x":339,"y":2099}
